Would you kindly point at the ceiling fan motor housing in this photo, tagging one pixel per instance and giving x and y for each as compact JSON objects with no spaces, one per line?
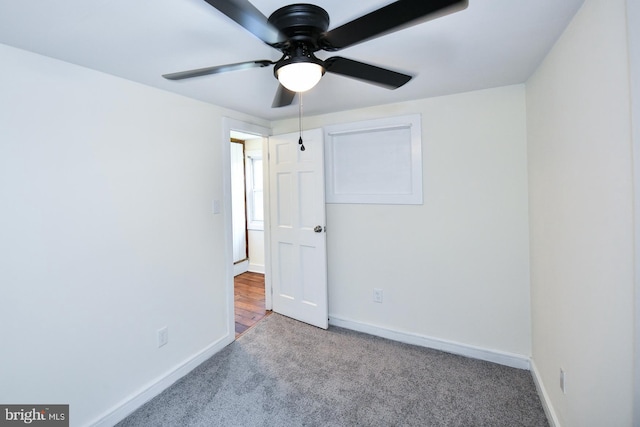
{"x":301,"y":23}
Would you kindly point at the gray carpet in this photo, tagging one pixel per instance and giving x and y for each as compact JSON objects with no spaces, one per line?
{"x":285,"y":373}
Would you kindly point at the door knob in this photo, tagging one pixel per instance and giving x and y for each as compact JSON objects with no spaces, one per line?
{"x":318,"y":229}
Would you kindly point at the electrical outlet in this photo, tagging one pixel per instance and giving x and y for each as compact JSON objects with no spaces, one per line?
{"x":563,"y":381}
{"x":377,"y":295}
{"x":163,"y":336}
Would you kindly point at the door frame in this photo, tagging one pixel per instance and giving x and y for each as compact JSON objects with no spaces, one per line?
{"x":228,"y":125}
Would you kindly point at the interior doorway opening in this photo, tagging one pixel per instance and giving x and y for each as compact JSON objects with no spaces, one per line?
{"x":248,"y":229}
{"x":295,"y":265}
{"x":247,"y":202}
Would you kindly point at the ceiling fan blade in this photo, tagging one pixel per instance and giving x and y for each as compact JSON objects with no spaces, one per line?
{"x":250,"y":18}
{"x":367,"y":72}
{"x":283,"y":97}
{"x":393,"y":17}
{"x":217,"y":69}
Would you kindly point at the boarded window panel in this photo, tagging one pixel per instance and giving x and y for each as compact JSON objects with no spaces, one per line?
{"x":376,"y":161}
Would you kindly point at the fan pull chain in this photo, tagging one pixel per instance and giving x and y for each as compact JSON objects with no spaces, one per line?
{"x":300,"y":122}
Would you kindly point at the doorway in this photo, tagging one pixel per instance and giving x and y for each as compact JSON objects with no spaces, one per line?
{"x":294,"y":261}
{"x":247,"y":203}
{"x":247,"y":229}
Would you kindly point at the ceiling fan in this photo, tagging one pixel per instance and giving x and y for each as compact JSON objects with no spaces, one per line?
{"x":300,"y":30}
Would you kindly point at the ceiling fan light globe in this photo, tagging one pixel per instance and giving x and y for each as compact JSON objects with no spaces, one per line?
{"x":300,"y":76}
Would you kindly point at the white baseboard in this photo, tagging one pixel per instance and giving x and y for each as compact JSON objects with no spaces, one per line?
{"x":240,"y":268}
{"x":256,"y":268}
{"x":544,"y":397}
{"x":129,"y":405}
{"x":499,"y":357}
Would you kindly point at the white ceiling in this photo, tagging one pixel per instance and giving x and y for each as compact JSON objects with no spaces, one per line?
{"x":491,"y":43}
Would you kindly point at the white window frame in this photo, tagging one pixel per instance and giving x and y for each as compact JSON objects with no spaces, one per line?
{"x":250,"y":157}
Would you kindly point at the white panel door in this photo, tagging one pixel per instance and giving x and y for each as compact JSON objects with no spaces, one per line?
{"x":298,"y":239}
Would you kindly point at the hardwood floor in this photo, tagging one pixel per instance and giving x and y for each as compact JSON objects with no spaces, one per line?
{"x":248,"y":300}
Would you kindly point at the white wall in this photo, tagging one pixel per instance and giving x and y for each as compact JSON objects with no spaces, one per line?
{"x":256,"y":251}
{"x":633,"y":37}
{"x":457,"y":267}
{"x":106,"y":234}
{"x":633,"y":34}
{"x":581,"y":220}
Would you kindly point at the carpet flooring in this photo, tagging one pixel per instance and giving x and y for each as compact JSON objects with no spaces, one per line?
{"x":286,"y":373}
